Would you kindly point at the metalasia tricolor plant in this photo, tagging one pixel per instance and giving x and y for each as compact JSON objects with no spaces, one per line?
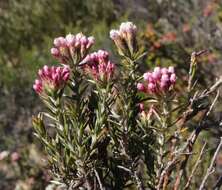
{"x":108,"y":126}
{"x":71,"y":48}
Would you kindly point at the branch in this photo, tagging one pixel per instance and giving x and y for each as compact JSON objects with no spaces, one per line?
{"x":195,"y":167}
{"x":215,"y":86}
{"x":172,"y":150}
{"x":189,"y":144}
{"x":210,"y":169}
{"x":99,"y":181}
{"x":125,"y":169}
{"x":213,"y":103}
{"x":218,"y":184}
{"x":190,"y":147}
{"x":139,"y":182}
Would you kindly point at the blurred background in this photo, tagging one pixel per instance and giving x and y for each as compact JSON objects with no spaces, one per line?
{"x":169,"y":29}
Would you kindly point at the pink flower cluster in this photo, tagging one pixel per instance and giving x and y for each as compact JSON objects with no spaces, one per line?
{"x":51,"y":79}
{"x":71,"y":48}
{"x":99,"y":66}
{"x":125,"y":38}
{"x":160,"y":80}
{"x":126,"y":30}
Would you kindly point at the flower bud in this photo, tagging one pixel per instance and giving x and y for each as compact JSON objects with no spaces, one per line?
{"x":119,"y":42}
{"x":60,"y":42}
{"x":57,"y":42}
{"x":140,"y":87}
{"x":114,"y":35}
{"x":164,"y":71}
{"x":83,"y":40}
{"x":70,"y":39}
{"x":173,"y":78}
{"x":79,"y":36}
{"x":157,"y":70}
{"x":146,"y":76}
{"x":91,"y":41}
{"x":46,"y":70}
{"x":165,"y":78}
{"x":171,"y":69}
{"x":127,"y":28}
{"x":151,"y":87}
{"x":141,"y":106}
{"x":55,"y":52}
{"x":156,"y":73}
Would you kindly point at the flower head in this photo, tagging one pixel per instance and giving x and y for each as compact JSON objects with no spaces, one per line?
{"x":160,"y":80}
{"x":127,"y":28}
{"x":141,"y":87}
{"x":51,"y":79}
{"x":72,"y":48}
{"x":125,"y":38}
{"x":99,"y":66}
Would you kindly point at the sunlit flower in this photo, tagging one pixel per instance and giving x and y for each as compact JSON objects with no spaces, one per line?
{"x":99,"y":66}
{"x":72,"y":48}
{"x":160,"y":80}
{"x":125,"y":38}
{"x":51,"y":79}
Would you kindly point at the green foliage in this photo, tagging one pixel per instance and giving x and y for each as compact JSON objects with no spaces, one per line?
{"x":99,"y":132}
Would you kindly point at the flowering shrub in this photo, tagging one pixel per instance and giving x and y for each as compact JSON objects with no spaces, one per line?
{"x":107,"y":126}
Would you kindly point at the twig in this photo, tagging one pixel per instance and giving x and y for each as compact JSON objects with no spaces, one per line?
{"x":125,"y":169}
{"x":135,"y":175}
{"x":218,"y":184}
{"x":76,"y":185}
{"x":88,"y":184}
{"x":190,"y":141}
{"x":213,"y":103}
{"x":210,"y":169}
{"x":180,"y":174}
{"x":138,"y":181}
{"x":172,"y":149}
{"x":201,"y":52}
{"x":189,"y":149}
{"x":193,"y":63}
{"x":195,"y":167}
{"x":215,"y":86}
{"x":98,"y":178}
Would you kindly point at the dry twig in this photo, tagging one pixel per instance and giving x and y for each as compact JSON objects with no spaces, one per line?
{"x":210,"y":169}
{"x":195,"y":167}
{"x":99,"y":181}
